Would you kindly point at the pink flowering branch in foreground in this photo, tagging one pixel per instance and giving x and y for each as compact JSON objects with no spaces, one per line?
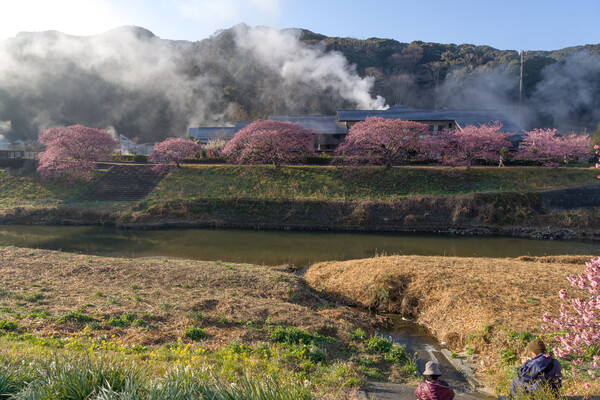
{"x":578,"y":326}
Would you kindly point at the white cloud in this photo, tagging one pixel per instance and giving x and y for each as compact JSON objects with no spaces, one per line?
{"x":76,"y":17}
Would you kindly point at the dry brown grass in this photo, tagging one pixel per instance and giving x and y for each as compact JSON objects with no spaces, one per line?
{"x":461,"y":300}
{"x":237,"y":301}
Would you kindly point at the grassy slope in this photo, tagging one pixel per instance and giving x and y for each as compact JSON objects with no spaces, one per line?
{"x":31,"y":191}
{"x":56,"y":304}
{"x":490,"y":306}
{"x":371,"y":198}
{"x":367,"y":183}
{"x":321,"y":183}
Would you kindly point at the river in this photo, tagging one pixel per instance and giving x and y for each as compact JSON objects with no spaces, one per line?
{"x":274,"y":247}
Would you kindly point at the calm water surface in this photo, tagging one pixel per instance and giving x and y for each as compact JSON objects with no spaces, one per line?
{"x":274,"y":247}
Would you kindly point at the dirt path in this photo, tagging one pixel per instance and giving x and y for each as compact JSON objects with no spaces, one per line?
{"x":398,"y":391}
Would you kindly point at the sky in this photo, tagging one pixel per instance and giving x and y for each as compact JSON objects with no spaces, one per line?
{"x":503,"y":24}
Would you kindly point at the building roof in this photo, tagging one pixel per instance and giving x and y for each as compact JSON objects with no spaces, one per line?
{"x":204,"y":134}
{"x":461,"y":117}
{"x":320,"y":124}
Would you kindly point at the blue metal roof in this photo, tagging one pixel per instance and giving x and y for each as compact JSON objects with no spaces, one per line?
{"x":320,"y":124}
{"x":204,"y":134}
{"x":461,"y":117}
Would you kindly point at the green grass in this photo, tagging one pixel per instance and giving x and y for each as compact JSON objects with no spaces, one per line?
{"x":87,"y":377}
{"x":30,"y":190}
{"x":346,"y":183}
{"x":293,"y":365}
{"x":231,"y":182}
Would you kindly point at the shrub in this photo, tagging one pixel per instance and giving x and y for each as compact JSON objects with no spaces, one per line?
{"x":123,"y":321}
{"x":293,"y":335}
{"x":140,"y":158}
{"x":10,"y":326}
{"x":397,"y":355}
{"x":207,"y":160}
{"x":318,"y":160}
{"x":316,"y":354}
{"x":380,"y":344}
{"x":74,"y":316}
{"x":358,"y":334}
{"x":195,"y":334}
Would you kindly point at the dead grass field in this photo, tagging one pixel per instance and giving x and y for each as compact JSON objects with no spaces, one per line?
{"x":477,"y":303}
{"x":153,"y":301}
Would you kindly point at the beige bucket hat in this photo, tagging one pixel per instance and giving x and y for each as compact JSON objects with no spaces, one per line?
{"x":432,"y":368}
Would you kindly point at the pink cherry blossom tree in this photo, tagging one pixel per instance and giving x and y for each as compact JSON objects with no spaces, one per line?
{"x":597,"y":150}
{"x":473,"y":143}
{"x":380,"y":141}
{"x":270,"y":142}
{"x":547,"y":147}
{"x":171,"y":153}
{"x":578,"y":326}
{"x":72,"y":152}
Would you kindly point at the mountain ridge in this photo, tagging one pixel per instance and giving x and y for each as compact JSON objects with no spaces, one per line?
{"x":136,"y":83}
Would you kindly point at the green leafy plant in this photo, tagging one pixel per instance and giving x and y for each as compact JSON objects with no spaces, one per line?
{"x":195,"y":334}
{"x":6,"y":325}
{"x":74,"y":316}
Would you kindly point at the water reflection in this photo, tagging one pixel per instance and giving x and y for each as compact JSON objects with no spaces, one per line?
{"x":274,"y":247}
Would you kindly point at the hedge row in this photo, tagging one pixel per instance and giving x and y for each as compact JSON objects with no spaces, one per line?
{"x":315,"y":160}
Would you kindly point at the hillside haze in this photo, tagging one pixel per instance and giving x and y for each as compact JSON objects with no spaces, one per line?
{"x":129,"y":81}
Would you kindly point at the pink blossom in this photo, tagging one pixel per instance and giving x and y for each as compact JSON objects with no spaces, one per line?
{"x":579,"y":330}
{"x":270,"y":142}
{"x":171,"y":153}
{"x":473,"y":143}
{"x":380,"y":141}
{"x":549,"y":148}
{"x":72,"y":152}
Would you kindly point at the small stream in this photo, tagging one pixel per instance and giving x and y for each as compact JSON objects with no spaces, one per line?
{"x":420,"y":342}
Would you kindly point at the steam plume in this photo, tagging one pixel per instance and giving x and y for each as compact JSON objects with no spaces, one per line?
{"x":151,"y":88}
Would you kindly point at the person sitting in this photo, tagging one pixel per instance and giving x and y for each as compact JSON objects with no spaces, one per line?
{"x":539,"y":371}
{"x":432,"y":388}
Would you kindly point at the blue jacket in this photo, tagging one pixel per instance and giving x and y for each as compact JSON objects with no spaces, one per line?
{"x":539,"y":371}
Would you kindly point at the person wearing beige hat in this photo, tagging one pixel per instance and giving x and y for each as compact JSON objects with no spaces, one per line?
{"x":541,"y":370}
{"x":433,"y":388}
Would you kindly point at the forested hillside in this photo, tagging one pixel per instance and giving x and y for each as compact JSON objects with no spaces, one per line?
{"x":563,"y":83}
{"x":132,"y":82}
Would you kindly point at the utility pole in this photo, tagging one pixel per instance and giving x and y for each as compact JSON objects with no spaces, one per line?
{"x":522,"y":54}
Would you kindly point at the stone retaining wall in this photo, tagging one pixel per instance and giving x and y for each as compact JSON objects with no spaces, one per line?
{"x":587,"y":196}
